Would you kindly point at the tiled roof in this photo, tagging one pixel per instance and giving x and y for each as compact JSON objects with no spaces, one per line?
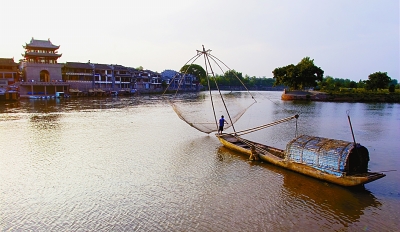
{"x":78,"y":65}
{"x":102,"y":66}
{"x":41,"y":44}
{"x":9,"y":61}
{"x":120,"y":67}
{"x":132,"y":70}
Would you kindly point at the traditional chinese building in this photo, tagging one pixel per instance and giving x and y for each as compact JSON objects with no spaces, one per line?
{"x":103,"y":76}
{"x":41,"y":61}
{"x":42,"y":73}
{"x":123,"y":77}
{"x":8,"y":72}
{"x":94,"y":76}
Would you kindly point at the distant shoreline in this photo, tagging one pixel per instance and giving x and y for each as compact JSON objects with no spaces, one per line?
{"x":342,"y":97}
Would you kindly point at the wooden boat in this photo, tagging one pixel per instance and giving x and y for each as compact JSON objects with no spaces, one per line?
{"x":334,"y":161}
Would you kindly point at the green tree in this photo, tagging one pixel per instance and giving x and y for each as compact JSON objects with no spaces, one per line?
{"x":286,"y":76}
{"x":346,"y":83}
{"x":377,"y":80}
{"x":330,"y":83}
{"x":233,"y":78}
{"x":248,"y":81}
{"x":353,"y":84}
{"x":339,"y":83}
{"x":309,"y":74}
{"x":196,"y":70}
{"x":361,"y":84}
{"x":304,"y":74}
{"x":140,"y":68}
{"x":391,"y":88}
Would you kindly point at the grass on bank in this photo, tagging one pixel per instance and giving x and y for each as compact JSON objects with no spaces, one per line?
{"x":363,"y":95}
{"x":360,"y":91}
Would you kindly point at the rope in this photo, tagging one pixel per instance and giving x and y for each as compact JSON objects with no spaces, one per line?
{"x":209,"y":70}
{"x":247,"y":131}
{"x":204,"y":52}
{"x":207,"y":60}
{"x":193,"y":59}
{"x":213,"y":57}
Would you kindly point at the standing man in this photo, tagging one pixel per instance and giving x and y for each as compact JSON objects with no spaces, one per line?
{"x":222,"y":121}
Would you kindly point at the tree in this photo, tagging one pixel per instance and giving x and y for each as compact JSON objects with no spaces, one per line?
{"x":304,"y":74}
{"x":286,"y":76}
{"x":231,"y":77}
{"x":140,"y":68}
{"x":327,"y":83}
{"x":361,"y":84}
{"x":391,"y":88}
{"x":309,"y":74}
{"x":194,"y":69}
{"x":353,"y":84}
{"x":377,"y":80}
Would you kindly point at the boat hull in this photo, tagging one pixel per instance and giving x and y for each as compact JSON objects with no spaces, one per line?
{"x":276,"y":156}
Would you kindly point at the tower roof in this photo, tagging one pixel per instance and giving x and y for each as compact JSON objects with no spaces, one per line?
{"x":34,"y":43}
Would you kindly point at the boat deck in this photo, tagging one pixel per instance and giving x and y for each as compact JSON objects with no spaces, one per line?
{"x":277,"y":156}
{"x":261,"y":149}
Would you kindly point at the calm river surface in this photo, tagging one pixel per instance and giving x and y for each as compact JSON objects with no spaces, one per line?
{"x":130,"y":164}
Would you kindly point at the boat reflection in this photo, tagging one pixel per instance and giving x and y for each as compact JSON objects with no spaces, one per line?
{"x":345,"y":204}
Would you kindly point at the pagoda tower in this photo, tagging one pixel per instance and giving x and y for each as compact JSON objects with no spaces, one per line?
{"x":42,"y":73}
{"x":40,"y":61}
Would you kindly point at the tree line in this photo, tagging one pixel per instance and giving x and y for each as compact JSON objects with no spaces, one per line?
{"x":231,"y":78}
{"x":304,"y":75}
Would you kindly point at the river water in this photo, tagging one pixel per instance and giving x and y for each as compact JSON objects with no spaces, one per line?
{"x":130,"y":164}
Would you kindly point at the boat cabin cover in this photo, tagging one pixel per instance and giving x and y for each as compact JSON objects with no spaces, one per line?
{"x":336,"y":157}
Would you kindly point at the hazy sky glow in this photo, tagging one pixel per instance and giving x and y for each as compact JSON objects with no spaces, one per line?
{"x":347,"y":39}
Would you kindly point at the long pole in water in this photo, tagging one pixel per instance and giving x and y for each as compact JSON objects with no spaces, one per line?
{"x":351,"y":127}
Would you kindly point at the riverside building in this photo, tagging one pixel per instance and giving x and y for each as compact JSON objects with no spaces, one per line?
{"x":40,"y":75}
{"x":8,"y":72}
{"x":41,"y":72}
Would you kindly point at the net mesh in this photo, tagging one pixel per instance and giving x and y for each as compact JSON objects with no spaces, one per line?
{"x":197,"y":110}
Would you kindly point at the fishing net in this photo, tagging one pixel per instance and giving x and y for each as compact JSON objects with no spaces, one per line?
{"x":197,"y":109}
{"x":204,"y":109}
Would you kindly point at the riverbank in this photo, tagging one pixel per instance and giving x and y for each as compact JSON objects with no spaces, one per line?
{"x":379,"y":97}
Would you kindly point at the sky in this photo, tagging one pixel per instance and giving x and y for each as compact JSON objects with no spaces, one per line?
{"x":347,"y":39}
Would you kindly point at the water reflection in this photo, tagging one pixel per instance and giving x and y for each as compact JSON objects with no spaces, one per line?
{"x":376,"y":108}
{"x":348,"y":203}
{"x":129,"y":163}
{"x":344,"y":205}
{"x":45,"y":121}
